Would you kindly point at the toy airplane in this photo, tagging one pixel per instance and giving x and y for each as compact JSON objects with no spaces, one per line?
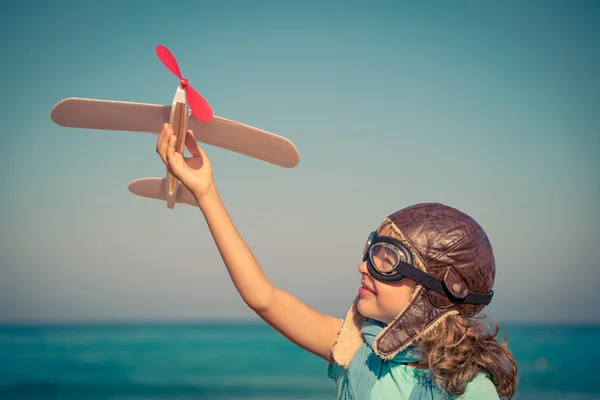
{"x":189,"y":110}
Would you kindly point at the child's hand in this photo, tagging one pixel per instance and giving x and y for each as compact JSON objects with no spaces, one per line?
{"x":194,"y":172}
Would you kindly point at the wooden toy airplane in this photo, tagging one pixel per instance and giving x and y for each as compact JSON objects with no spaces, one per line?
{"x":189,"y":110}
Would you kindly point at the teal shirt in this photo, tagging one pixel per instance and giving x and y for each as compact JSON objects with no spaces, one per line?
{"x":397,"y":381}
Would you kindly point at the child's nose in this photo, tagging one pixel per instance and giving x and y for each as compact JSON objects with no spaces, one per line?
{"x":362,"y":268}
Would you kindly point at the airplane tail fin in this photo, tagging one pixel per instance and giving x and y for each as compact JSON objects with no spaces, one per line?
{"x":156,"y":188}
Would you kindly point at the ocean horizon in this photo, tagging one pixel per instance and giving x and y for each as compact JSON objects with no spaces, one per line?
{"x":241,"y":359}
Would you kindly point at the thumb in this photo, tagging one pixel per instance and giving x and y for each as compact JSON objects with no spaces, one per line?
{"x":193,"y":147}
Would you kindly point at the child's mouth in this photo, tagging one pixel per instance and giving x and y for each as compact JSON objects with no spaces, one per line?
{"x":365,"y":290}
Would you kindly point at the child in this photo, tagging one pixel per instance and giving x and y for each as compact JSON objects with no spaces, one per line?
{"x":410,"y":333}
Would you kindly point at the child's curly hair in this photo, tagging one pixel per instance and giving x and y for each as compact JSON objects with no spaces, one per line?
{"x":459,"y":348}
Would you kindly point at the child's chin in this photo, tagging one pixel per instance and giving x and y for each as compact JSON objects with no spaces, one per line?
{"x":368,"y":310}
{"x":365,"y":309}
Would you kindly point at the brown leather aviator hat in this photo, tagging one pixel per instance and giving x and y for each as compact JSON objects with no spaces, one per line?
{"x":451,"y":260}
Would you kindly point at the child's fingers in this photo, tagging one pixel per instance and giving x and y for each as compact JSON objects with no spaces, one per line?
{"x":173,"y":157}
{"x":163,"y":141}
{"x":161,"y":136}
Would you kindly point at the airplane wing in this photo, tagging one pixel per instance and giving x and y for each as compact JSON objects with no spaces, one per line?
{"x":149,"y":118}
{"x":247,"y":140}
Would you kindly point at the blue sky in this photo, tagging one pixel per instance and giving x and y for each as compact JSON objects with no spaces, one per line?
{"x":490,"y":107}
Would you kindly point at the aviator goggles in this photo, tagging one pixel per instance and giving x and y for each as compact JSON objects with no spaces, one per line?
{"x":389,"y":260}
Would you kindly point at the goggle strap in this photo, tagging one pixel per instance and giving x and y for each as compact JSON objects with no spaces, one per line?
{"x":437,"y":285}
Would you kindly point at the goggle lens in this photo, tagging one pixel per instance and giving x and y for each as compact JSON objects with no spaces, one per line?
{"x":384,"y":257}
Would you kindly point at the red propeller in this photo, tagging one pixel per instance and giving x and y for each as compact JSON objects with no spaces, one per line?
{"x":200,"y":107}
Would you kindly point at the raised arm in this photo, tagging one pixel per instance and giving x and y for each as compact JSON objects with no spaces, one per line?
{"x":294,"y":319}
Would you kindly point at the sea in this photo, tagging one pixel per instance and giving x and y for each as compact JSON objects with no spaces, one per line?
{"x":242,"y":360}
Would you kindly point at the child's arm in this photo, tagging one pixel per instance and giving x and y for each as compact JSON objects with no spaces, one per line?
{"x":301,"y":324}
{"x":297,"y":321}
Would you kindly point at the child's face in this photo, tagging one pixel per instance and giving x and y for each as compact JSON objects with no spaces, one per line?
{"x":383,"y":301}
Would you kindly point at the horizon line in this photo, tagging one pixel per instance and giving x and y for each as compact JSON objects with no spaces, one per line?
{"x":36,"y":322}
